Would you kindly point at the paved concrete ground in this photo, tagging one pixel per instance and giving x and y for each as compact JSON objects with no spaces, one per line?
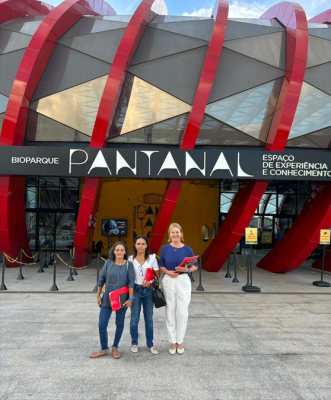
{"x":272,"y":345}
{"x":238,"y":346}
{"x":297,"y":281}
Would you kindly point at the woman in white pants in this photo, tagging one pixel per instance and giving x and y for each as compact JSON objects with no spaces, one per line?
{"x":176,"y":285}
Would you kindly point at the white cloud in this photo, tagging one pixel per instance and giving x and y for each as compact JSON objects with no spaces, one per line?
{"x":203,"y":12}
{"x":242,"y":9}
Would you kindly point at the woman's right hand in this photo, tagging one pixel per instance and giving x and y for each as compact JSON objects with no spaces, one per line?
{"x":172,"y":274}
{"x":99,"y":301}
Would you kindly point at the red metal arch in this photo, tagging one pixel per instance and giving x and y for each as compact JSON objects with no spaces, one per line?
{"x":322,"y":18}
{"x":293,"y":17}
{"x":92,"y":189}
{"x":12,"y":9}
{"x":208,"y":72}
{"x":12,"y":223}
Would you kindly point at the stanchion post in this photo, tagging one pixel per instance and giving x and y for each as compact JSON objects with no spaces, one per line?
{"x":235,"y":279}
{"x":39,"y":248}
{"x":45,"y":263}
{"x":54,"y":287}
{"x":51,"y":257}
{"x":200,"y":287}
{"x":20,"y":275}
{"x":41,"y":262}
{"x":249,"y":286}
{"x":98,"y":269}
{"x":322,"y":283}
{"x":228,"y":275}
{"x":70,"y":277}
{"x":3,"y":286}
{"x":74,"y":271}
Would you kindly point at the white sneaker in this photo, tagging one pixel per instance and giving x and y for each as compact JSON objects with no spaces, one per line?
{"x":134,"y":348}
{"x":153,"y":350}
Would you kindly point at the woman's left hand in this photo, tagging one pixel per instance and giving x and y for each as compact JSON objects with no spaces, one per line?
{"x":127,"y":304}
{"x":182,"y":269}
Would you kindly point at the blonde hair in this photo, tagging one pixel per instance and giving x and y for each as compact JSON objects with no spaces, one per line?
{"x":172,"y":226}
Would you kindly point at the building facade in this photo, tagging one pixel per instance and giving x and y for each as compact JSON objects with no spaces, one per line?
{"x":215,"y":123}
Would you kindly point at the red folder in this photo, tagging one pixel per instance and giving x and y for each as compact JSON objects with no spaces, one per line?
{"x":149,"y":274}
{"x":114,"y":297}
{"x":187,"y":260}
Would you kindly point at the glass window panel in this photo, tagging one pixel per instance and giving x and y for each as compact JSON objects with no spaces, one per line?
{"x":313,"y":112}
{"x":320,"y":139}
{"x":46,"y":227}
{"x":49,"y":197}
{"x":216,"y":133}
{"x":3,"y":103}
{"x":165,"y":132}
{"x":43,"y":129}
{"x":76,"y":107}
{"x":31,"y":197}
{"x":316,"y":25}
{"x":272,"y":205}
{"x":69,"y":198}
{"x":31,"y":226}
{"x":250,"y":111}
{"x":65,"y":225}
{"x":142,"y":104}
{"x":226,"y":201}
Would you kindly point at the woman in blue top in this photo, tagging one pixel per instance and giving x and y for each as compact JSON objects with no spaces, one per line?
{"x":116,"y":273}
{"x":176,"y":286}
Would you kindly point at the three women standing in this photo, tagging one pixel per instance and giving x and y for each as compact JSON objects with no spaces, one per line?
{"x":176,"y":285}
{"x":143,"y":262}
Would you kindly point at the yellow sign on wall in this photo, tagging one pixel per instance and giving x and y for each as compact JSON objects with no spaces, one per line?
{"x":325,"y":236}
{"x":251,"y":235}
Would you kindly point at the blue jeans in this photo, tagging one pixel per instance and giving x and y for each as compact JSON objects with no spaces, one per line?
{"x":142,"y":296}
{"x":105,"y":313}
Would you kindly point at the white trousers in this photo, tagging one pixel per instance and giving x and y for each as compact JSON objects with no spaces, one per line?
{"x":177,"y":292}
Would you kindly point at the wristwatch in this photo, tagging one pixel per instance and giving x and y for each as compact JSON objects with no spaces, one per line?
{"x":151,"y":282}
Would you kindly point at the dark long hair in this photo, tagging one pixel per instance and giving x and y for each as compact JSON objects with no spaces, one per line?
{"x":112,"y":250}
{"x":146,"y":250}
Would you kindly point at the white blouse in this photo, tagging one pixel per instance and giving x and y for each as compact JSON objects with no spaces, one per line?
{"x":140,"y":270}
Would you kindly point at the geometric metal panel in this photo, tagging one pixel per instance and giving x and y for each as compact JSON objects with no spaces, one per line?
{"x":177,"y":75}
{"x":320,"y":77}
{"x":217,"y":133}
{"x":249,"y":111}
{"x":67,"y":68}
{"x":141,"y":105}
{"x":238,"y":30}
{"x":313,"y":112}
{"x":102,"y":45}
{"x":168,"y":132}
{"x":259,"y":21}
{"x":3,"y":103}
{"x":162,"y":19}
{"x":199,"y":29}
{"x":11,"y":41}
{"x":76,"y":107}
{"x":27,"y":25}
{"x":237,"y":73}
{"x":2,"y":116}
{"x":42,"y":129}
{"x":93,"y":24}
{"x":9,"y":65}
{"x":319,"y":51}
{"x":156,"y":44}
{"x":119,"y":18}
{"x":267,"y":48}
{"x":324,"y":33}
{"x":316,"y":140}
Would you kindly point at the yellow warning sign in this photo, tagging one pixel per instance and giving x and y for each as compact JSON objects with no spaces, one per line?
{"x":251,"y":235}
{"x":325,"y":236}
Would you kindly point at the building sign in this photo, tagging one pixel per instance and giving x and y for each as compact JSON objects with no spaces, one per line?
{"x":251,"y":235}
{"x":325,"y":236}
{"x":114,"y":227}
{"x":224,"y":163}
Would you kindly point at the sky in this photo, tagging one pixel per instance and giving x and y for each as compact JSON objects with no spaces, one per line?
{"x":203,"y":8}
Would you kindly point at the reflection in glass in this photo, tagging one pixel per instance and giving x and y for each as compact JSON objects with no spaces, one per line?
{"x":250,"y":111}
{"x":226,"y":201}
{"x":65,"y":225}
{"x":3,"y":103}
{"x":165,"y":132}
{"x":317,"y":140}
{"x":213,"y":132}
{"x":313,"y":112}
{"x":76,"y":107}
{"x":46,"y":226}
{"x":31,"y":197}
{"x":42,"y":129}
{"x":141,"y":105}
{"x":31,"y":228}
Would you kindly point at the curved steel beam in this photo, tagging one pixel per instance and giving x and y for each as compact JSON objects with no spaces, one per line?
{"x":208,"y":72}
{"x":293,"y":17}
{"x":322,"y":18}
{"x":12,"y":9}
{"x":92,"y":189}
{"x":32,"y":66}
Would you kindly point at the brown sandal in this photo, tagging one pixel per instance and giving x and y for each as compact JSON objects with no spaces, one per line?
{"x":116,"y":353}
{"x":97,"y":354}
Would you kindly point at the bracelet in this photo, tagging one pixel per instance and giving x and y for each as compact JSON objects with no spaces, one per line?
{"x":189,"y":270}
{"x":130,"y":299}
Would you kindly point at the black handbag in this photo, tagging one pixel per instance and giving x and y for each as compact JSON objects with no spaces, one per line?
{"x":158,"y":296}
